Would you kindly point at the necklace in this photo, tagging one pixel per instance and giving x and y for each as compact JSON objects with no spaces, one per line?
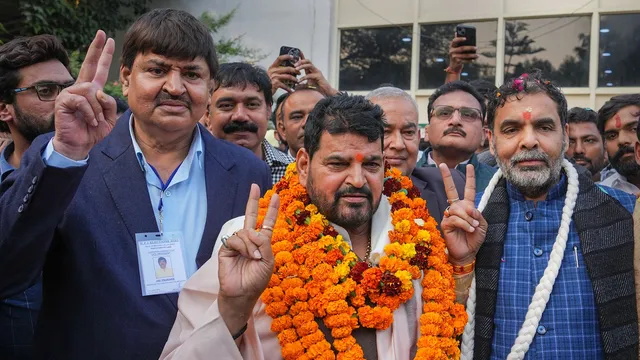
{"x":367,"y":254}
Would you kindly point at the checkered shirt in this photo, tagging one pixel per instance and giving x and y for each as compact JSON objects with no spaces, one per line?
{"x":277,"y":161}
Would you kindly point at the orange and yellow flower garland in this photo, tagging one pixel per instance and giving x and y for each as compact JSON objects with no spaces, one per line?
{"x":316,"y":275}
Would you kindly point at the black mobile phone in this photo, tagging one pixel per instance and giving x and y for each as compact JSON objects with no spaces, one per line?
{"x":468,"y":32}
{"x":295,"y":54}
{"x":288,"y":50}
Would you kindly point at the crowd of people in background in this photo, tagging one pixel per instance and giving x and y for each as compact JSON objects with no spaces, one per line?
{"x":84,"y":178}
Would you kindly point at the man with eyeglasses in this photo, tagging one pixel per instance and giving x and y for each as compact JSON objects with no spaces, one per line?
{"x":456,"y":112}
{"x":33,"y":70}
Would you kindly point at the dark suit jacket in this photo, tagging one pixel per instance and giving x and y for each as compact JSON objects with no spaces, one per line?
{"x":429,"y":181}
{"x":78,"y":227}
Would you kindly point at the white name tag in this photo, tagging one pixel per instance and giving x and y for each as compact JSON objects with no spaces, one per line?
{"x":161,"y":263}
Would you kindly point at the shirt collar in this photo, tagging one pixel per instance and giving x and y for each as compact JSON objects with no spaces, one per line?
{"x":195,"y":151}
{"x":430,"y":160}
{"x":271,"y":155}
{"x":558,"y":191}
{"x":4,"y":160}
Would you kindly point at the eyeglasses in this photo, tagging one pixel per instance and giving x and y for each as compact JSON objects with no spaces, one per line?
{"x":46,"y":91}
{"x":445,"y":112}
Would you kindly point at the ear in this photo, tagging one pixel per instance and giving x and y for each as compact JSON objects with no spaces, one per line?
{"x":6,"y":112}
{"x":303,"y":163}
{"x":489,"y":135}
{"x":125,"y":79}
{"x":637,"y":148}
{"x":566,"y":135}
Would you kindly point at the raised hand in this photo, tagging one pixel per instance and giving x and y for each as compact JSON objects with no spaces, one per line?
{"x":459,"y":55}
{"x":245,"y":263}
{"x":282,"y":77}
{"x":84,"y":114}
{"x":463,"y":226}
{"x":314,"y":77}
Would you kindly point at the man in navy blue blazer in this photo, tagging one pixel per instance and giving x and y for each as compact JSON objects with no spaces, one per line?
{"x":82,"y":196}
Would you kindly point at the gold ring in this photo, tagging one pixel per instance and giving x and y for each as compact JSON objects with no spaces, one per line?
{"x":267,"y":227}
{"x":446,"y":212}
{"x":451,"y":201}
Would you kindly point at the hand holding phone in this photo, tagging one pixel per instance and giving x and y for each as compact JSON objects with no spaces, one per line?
{"x":463,"y":47}
{"x":282,"y":72}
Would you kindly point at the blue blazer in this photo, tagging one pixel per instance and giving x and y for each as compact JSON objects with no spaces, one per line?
{"x":77,"y":226}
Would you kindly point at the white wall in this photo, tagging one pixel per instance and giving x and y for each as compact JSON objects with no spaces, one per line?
{"x":267,"y":25}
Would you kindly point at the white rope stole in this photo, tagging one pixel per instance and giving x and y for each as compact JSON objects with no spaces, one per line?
{"x":544,"y":288}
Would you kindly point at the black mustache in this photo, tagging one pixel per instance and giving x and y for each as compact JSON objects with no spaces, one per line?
{"x":351,"y":190}
{"x":454,"y":129}
{"x":577,"y":157}
{"x":622,"y":152}
{"x":164,"y":96}
{"x":236,"y":126}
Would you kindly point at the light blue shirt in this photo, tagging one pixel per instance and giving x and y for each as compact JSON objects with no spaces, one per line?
{"x":185,"y":198}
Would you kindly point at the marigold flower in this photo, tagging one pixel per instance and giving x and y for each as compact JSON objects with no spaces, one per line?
{"x":276,"y":308}
{"x":292,"y":351}
{"x":287,"y":336}
{"x":341,"y":332}
{"x":281,"y":323}
{"x":403,"y":226}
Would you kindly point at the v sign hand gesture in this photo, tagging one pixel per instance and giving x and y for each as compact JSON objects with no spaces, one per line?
{"x":245,"y":263}
{"x":84,"y":114}
{"x":463,"y":226}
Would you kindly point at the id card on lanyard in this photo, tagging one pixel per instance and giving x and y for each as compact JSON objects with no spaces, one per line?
{"x":161,"y":262}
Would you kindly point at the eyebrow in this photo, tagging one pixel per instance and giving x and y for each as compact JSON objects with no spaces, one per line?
{"x":46,"y":82}
{"x":189,"y":67}
{"x":337,"y":157}
{"x":231,"y":98}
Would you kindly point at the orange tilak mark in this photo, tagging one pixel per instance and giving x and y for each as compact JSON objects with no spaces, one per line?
{"x":618,"y":122}
{"x":359,"y":157}
{"x":527,"y":113}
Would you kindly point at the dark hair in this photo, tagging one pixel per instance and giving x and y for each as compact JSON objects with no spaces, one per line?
{"x":342,"y":114}
{"x":615,"y":104}
{"x":161,"y":258}
{"x":456,"y":86}
{"x":484,"y":87}
{"x":531,"y":83}
{"x":578,"y":115}
{"x":238,"y":74}
{"x":171,"y":33}
{"x":297,"y":88}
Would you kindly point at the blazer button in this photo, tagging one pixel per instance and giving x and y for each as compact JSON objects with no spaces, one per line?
{"x":34,"y":180}
{"x":25,"y":199}
{"x":30,"y":189}
{"x":537,"y":252}
{"x":21,"y":208}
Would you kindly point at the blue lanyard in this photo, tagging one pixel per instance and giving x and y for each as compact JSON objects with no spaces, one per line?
{"x":163,"y":187}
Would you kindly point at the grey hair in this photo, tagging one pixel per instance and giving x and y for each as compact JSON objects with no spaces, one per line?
{"x":389,"y":92}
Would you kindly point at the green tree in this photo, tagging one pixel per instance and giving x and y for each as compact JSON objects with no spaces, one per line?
{"x":229,"y":48}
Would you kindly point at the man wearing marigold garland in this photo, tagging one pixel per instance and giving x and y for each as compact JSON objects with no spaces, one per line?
{"x":339,"y":260}
{"x":554,"y":277}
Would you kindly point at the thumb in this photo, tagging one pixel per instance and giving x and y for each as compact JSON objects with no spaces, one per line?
{"x":109,"y":106}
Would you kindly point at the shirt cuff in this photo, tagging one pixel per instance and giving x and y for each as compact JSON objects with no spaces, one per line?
{"x":54,"y":159}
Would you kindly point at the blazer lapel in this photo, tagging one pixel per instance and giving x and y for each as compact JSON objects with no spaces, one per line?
{"x":221,"y":193}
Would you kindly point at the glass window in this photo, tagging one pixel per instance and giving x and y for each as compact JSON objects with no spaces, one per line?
{"x":434,"y":53}
{"x":619,"y":57}
{"x":375,"y":56}
{"x":557,"y":46}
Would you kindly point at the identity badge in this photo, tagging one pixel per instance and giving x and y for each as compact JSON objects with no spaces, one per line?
{"x":161,"y":262}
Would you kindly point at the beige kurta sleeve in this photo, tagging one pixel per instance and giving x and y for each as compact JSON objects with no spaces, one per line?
{"x":199,"y":332}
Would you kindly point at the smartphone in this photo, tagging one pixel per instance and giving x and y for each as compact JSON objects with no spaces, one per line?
{"x":468,"y":32}
{"x":294,"y":52}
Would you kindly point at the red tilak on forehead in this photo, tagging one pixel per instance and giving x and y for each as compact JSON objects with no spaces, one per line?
{"x":359,"y":157}
{"x":527,"y":113}
{"x":618,"y":122}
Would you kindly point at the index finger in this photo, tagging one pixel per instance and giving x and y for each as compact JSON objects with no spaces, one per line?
{"x":470,"y":184}
{"x":280,"y":59}
{"x":270,"y":218}
{"x":90,"y":63}
{"x":251,"y":212}
{"x":104,"y":63}
{"x":457,"y":40}
{"x":449,"y":185}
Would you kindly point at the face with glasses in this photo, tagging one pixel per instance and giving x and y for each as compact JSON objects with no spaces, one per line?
{"x":455,"y":124}
{"x":31,"y":112}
